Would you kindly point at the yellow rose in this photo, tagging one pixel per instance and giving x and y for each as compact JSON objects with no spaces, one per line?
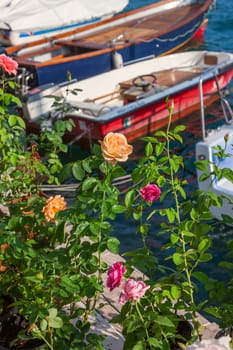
{"x":53,"y":205}
{"x":115,"y":148}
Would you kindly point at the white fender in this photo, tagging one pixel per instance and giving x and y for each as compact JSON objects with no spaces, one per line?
{"x":117,"y":60}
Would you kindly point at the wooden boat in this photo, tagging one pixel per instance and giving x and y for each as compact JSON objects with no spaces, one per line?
{"x":206,"y":150}
{"x":150,"y":31}
{"x":133,"y":100}
{"x":24,"y":21}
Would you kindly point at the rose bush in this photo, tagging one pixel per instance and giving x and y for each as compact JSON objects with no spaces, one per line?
{"x":50,"y":275}
{"x":51,"y":266}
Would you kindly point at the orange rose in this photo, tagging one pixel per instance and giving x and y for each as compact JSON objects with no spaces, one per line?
{"x":115,"y":148}
{"x":2,"y":268}
{"x":53,"y":206}
{"x":4,"y":246}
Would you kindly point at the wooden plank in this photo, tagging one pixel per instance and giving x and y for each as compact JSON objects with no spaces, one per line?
{"x":148,"y":26}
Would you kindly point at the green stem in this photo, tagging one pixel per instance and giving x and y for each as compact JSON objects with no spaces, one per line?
{"x":99,"y":270}
{"x":39,"y":334}
{"x":182,"y":237}
{"x":141,"y":318}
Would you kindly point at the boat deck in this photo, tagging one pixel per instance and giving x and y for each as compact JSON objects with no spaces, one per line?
{"x":128,"y":91}
{"x":140,"y":28}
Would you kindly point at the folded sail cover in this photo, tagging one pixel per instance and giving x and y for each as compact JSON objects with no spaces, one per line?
{"x":32,"y":15}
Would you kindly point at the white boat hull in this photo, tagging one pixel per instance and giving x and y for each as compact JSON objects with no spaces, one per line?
{"x":205,"y":150}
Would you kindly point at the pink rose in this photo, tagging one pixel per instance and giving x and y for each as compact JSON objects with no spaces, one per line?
{"x":115,"y":274}
{"x":8,"y":64}
{"x":132,"y":290}
{"x":150,"y":192}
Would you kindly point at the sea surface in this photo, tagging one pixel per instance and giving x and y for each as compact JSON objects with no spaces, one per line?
{"x":219,"y":37}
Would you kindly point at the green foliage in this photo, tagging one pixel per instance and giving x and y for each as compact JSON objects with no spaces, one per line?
{"x":49,"y":266}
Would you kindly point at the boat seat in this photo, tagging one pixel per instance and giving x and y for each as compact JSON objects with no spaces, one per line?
{"x":90,"y":108}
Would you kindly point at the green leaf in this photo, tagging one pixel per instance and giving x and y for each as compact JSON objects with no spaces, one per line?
{"x":182,"y":192}
{"x":118,"y":209}
{"x":164,"y":321}
{"x":88,"y":183}
{"x":52,"y":312}
{"x":43,"y":325}
{"x":113,"y":245}
{"x":55,"y":322}
{"x":160,"y":133}
{"x":179,"y":128}
{"x":205,"y":257}
{"x":139,"y":345}
{"x":177,"y":259}
{"x":174,"y":238}
{"x":12,"y":120}
{"x":175,"y":292}
{"x":154,"y":342}
{"x":159,"y":148}
{"x":171,"y":215}
{"x":78,"y":171}
{"x":200,"y":276}
{"x":87,"y":167}
{"x":148,"y":149}
{"x":204,"y":245}
{"x":129,"y":198}
{"x":213,"y":311}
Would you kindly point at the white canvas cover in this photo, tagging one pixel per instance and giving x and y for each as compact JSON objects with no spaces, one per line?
{"x":29,"y":15}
